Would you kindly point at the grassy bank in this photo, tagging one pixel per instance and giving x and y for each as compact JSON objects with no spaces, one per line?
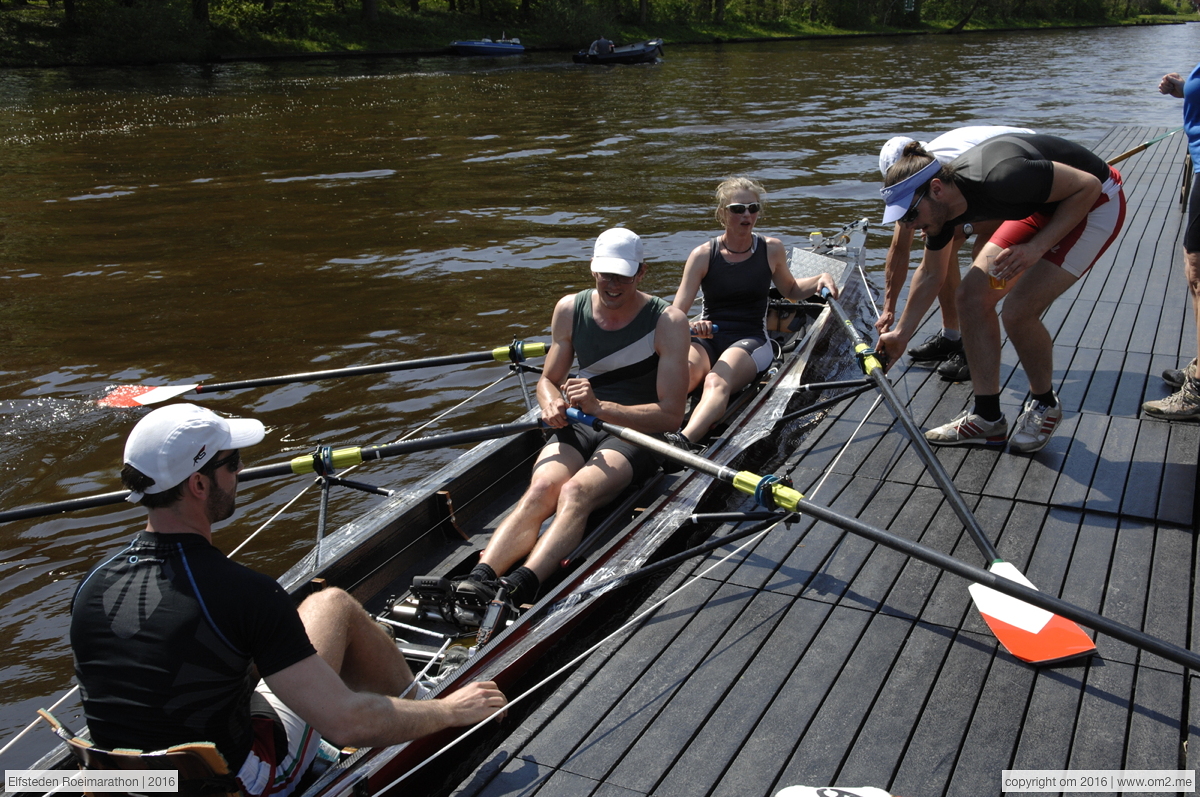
{"x":35,"y":32}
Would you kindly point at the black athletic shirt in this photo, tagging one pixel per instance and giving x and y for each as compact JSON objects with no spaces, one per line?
{"x":736,"y":294}
{"x":165,"y":634}
{"x":1010,"y":176}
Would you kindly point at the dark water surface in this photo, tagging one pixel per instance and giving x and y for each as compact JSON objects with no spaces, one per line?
{"x":183,"y":224}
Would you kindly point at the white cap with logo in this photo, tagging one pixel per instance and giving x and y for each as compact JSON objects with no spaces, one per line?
{"x":618,"y":251}
{"x":172,"y":443}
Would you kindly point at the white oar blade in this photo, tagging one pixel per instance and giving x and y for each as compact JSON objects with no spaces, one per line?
{"x":1028,"y":632}
{"x":143,"y":395}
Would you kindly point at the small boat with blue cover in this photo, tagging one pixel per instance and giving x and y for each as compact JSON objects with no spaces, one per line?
{"x":501,"y":46}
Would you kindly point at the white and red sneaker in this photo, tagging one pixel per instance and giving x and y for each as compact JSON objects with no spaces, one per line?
{"x":970,"y":429}
{"x":1035,"y":425}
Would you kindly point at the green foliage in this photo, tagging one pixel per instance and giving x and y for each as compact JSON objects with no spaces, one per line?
{"x":138,"y":31}
{"x":570,"y":23}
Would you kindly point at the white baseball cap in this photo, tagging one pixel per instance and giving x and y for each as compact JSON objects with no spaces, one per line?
{"x":618,"y":251}
{"x":173,"y":442}
{"x":891,"y":151}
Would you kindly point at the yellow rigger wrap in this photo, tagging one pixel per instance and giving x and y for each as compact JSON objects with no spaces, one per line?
{"x":785,"y":497}
{"x":342,"y":458}
{"x":502,"y":354}
{"x":866,"y":356}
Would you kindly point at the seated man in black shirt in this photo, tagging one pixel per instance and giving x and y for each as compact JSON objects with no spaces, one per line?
{"x":170,"y":637}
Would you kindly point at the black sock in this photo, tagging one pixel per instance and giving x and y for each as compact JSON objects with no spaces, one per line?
{"x":988,"y":407}
{"x":525,"y":585}
{"x":482,"y":572}
{"x":1047,"y":399}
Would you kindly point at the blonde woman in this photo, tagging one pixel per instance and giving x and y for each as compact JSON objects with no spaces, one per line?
{"x":736,"y":270}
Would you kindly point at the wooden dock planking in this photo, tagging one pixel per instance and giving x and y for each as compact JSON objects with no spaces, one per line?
{"x":817,"y":657}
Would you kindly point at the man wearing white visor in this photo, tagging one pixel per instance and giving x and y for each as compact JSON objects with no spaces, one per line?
{"x":945,"y":346}
{"x":170,"y":637}
{"x":1061,"y":207}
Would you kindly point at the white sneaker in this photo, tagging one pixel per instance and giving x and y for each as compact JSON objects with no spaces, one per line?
{"x":1035,"y":426}
{"x":969,"y":429}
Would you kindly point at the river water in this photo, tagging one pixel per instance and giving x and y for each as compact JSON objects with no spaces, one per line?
{"x":181,"y":224}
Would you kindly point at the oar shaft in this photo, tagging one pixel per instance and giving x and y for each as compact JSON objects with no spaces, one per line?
{"x":341,"y":458}
{"x":874,"y":369}
{"x":349,"y":457}
{"x":1142,"y":146}
{"x":1021,"y":592}
{"x":793,"y":501}
{"x":500,"y":354}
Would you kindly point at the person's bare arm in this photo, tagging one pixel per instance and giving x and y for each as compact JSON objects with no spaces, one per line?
{"x":313,"y":690}
{"x":557,"y":365}
{"x":790,"y":287}
{"x":895,"y":273}
{"x":671,"y":342}
{"x":927,"y":281}
{"x":1075,"y":191}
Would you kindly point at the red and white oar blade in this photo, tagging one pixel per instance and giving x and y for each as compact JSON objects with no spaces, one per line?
{"x":142,"y":395}
{"x":1030,"y":633}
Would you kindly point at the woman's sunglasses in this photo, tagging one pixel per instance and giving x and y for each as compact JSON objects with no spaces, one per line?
{"x":742,"y":207}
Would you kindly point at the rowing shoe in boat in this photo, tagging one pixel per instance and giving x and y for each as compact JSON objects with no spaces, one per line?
{"x":437,"y":528}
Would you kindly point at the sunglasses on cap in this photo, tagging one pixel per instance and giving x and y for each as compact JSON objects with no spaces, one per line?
{"x":232,"y":460}
{"x":742,"y":207}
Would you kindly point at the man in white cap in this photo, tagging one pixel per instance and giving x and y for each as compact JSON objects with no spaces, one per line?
{"x":632,"y":353}
{"x":170,"y":637}
{"x":946,"y":344}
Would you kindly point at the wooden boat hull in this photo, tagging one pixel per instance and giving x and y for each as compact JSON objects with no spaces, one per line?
{"x":647,"y":52}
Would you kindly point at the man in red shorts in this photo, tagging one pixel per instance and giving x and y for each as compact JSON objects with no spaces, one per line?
{"x":1062,"y":206}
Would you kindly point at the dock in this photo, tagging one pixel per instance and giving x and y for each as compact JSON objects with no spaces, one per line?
{"x":816,"y":657}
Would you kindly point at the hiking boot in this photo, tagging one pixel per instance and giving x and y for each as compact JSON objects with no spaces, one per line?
{"x":1175,"y":377}
{"x":969,"y":429}
{"x":955,"y":369}
{"x":1182,"y":405}
{"x":1035,"y":426}
{"x":935,"y":347}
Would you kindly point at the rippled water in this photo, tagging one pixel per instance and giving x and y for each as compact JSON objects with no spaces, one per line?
{"x":182,"y":224}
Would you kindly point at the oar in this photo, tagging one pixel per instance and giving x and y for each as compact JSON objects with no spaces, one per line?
{"x":1142,"y":146}
{"x":787,"y":498}
{"x":339,"y":458}
{"x":142,"y":395}
{"x":1030,"y":634}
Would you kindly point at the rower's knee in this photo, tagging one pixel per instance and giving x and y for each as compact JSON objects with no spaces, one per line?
{"x":716,"y":385}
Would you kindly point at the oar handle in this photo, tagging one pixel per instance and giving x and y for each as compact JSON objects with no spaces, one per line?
{"x":517,"y":352}
{"x":874,"y":369}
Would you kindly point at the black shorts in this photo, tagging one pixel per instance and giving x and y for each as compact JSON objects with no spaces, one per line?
{"x":1191,"y":233}
{"x":587,"y":441}
{"x":758,"y":347}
